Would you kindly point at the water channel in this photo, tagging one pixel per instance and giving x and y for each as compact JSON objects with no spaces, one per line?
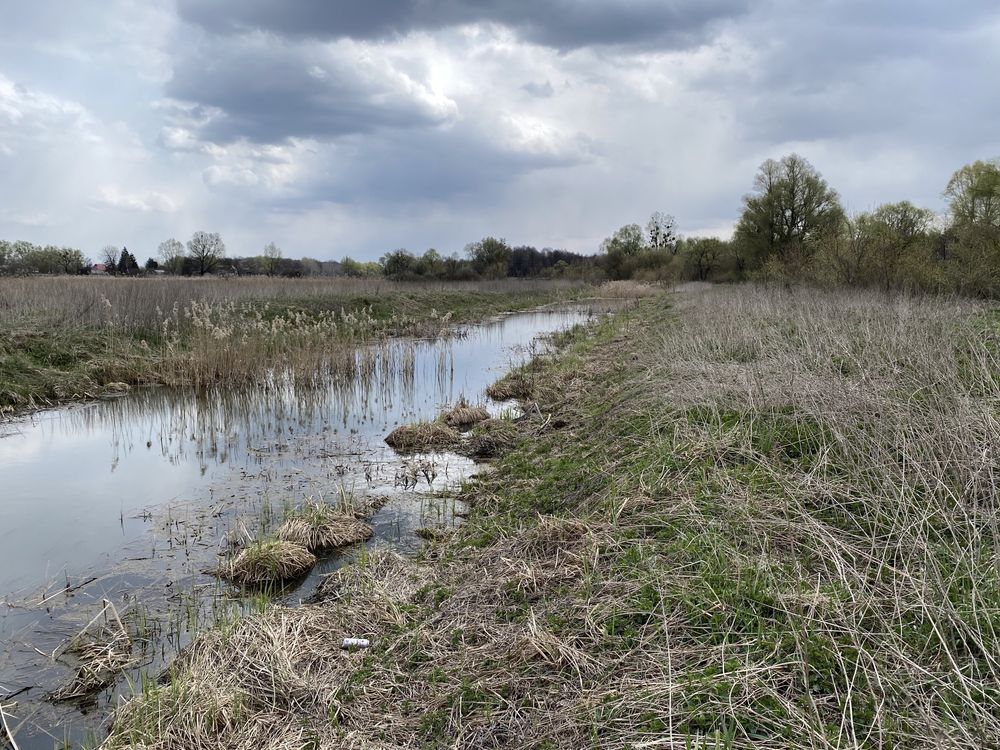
{"x":132,"y":500}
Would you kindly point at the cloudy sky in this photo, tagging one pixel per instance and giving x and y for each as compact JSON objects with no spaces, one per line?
{"x":358,"y":126}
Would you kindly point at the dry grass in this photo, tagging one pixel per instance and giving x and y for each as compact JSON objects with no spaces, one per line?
{"x":423,"y":436}
{"x":766,"y":521}
{"x":143,"y":303}
{"x":272,"y":680}
{"x":319,"y":527}
{"x":627,"y":289}
{"x":99,"y":658}
{"x":515,"y":385}
{"x":491,"y":439}
{"x":464,"y":415}
{"x":266,"y":562}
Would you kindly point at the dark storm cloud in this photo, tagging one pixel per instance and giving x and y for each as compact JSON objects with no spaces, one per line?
{"x":266,"y":91}
{"x":564,"y":24}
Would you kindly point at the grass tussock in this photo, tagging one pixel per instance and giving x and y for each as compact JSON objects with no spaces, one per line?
{"x":319,"y":527}
{"x":515,"y":385}
{"x":268,"y":561}
{"x":273,"y":679}
{"x":491,"y":439}
{"x":423,"y":436}
{"x":464,"y":415}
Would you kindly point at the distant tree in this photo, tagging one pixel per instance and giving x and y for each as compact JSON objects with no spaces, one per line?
{"x":311,"y":267}
{"x":71,"y":261}
{"x":702,"y":256}
{"x":127,"y":264}
{"x":152,"y":265}
{"x":398,"y":264}
{"x":490,"y":257}
{"x":109,"y":257}
{"x":625,"y":244}
{"x":974,"y":192}
{"x":790,"y":210}
{"x":171,"y":255}
{"x":430,"y":264}
{"x":206,"y":249}
{"x":662,"y":232}
{"x":270,"y":260}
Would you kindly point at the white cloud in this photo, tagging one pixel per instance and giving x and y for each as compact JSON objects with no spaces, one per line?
{"x":112,"y":196}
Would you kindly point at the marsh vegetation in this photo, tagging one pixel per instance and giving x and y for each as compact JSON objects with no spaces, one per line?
{"x":744,"y":518}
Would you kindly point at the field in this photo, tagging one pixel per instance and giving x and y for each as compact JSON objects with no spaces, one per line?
{"x":738,"y":518}
{"x":64,"y":338}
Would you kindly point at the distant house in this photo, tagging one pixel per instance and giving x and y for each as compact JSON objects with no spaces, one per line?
{"x":98,"y":269}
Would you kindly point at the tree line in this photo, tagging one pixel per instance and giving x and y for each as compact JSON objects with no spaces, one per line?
{"x":792,"y":227}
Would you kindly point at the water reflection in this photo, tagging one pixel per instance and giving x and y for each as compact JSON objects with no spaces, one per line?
{"x":130,"y":499}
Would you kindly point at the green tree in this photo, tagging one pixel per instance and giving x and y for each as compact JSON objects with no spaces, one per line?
{"x":490,"y":257}
{"x":206,"y":249}
{"x":270,"y":259}
{"x":620,"y":248}
{"x":702,"y":257}
{"x":787,"y":215}
{"x":398,"y":264}
{"x":974,"y":192}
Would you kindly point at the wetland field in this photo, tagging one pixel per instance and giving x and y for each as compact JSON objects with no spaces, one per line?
{"x":393,"y":517}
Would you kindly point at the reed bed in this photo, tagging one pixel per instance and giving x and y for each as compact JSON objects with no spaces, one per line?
{"x":63,"y":338}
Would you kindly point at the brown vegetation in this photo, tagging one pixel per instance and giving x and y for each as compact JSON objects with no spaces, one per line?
{"x":423,"y":436}
{"x":266,"y":562}
{"x":464,"y":415}
{"x":319,"y":527}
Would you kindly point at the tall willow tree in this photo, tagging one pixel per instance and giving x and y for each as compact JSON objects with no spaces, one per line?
{"x":790,"y":211}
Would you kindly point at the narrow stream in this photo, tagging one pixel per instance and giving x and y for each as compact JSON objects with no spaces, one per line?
{"x":131,"y":501}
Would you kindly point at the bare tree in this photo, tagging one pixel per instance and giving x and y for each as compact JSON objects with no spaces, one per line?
{"x":109,"y":257}
{"x":662,"y":231}
{"x":171,"y":255}
{"x":206,"y":249}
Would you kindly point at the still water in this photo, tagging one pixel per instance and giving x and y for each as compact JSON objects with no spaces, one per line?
{"x":132,"y":500}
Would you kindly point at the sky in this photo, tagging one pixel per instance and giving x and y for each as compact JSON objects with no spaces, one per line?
{"x":360,"y":126}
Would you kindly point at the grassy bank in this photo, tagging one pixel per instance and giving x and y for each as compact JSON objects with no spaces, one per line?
{"x":740,"y":518}
{"x":72,"y":337}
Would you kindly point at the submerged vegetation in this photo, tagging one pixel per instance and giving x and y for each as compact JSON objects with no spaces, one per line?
{"x":756,"y":518}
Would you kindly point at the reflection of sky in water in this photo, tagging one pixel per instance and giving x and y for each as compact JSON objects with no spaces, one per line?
{"x":110,"y":490}
{"x":70,"y":475}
